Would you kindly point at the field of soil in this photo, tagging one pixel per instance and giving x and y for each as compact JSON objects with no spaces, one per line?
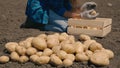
{"x":12,"y":15}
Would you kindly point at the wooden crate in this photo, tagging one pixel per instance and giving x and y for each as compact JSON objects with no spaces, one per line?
{"x":99,"y":27}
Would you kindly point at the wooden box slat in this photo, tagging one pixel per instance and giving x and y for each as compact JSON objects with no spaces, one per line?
{"x":103,"y":23}
{"x":98,"y":22}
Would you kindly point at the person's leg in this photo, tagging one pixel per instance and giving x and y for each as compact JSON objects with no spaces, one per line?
{"x":56,"y":22}
{"x":30,"y":24}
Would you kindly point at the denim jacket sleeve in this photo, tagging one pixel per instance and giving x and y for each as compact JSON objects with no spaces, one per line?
{"x":36,"y":12}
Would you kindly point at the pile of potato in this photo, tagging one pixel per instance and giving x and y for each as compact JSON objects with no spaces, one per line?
{"x":57,"y":49}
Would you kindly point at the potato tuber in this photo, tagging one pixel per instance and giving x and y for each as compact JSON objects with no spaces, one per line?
{"x":67,"y":62}
{"x":44,"y":36}
{"x":106,"y":51}
{"x":23,"y":59}
{"x":89,"y":53}
{"x":61,"y":54}
{"x":81,"y":57}
{"x":10,"y":46}
{"x":14,"y":56}
{"x":79,"y":47}
{"x":63,"y":36}
{"x":20,"y":50}
{"x":71,"y":39}
{"x":39,"y":43}
{"x":31,"y":51}
{"x":68,"y":48}
{"x":95,"y":46}
{"x":4,"y":59}
{"x":100,"y":59}
{"x":34,"y":58}
{"x":87,"y":44}
{"x":93,"y":12}
{"x":47,"y":52}
{"x":43,"y":60}
{"x":52,"y":42}
{"x":39,"y":53}
{"x":84,"y":37}
{"x":55,"y":49}
{"x":56,"y":60}
{"x":70,"y":56}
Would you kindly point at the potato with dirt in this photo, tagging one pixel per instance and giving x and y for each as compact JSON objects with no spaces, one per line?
{"x":20,"y":50}
{"x":31,"y":51}
{"x":84,"y":37}
{"x":95,"y":46}
{"x":39,"y":43}
{"x":81,"y":57}
{"x":106,"y":51}
{"x":27,"y":43}
{"x":79,"y":47}
{"x":44,"y":36}
{"x":61,"y":54}
{"x":87,"y":44}
{"x":69,"y":48}
{"x":70,"y":57}
{"x":55,"y":60}
{"x":100,"y":58}
{"x":4,"y":59}
{"x":34,"y":58}
{"x":43,"y":60}
{"x":47,"y":52}
{"x":63,"y":37}
{"x":14,"y":56}
{"x":23,"y":59}
{"x":56,"y":49}
{"x":52,"y":42}
{"x":39,"y":53}
{"x":10,"y":46}
{"x":67,"y":62}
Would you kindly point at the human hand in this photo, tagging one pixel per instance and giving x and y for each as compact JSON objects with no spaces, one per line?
{"x":88,"y":6}
{"x":69,"y":14}
{"x":87,"y":14}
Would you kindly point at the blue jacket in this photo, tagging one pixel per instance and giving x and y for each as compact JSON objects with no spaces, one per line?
{"x":38,"y":10}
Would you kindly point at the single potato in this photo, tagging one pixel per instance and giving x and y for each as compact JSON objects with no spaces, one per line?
{"x":61,"y":54}
{"x":43,"y":60}
{"x":89,"y":53}
{"x":14,"y":56}
{"x":67,"y":62}
{"x":69,"y":48}
{"x":70,"y":56}
{"x":84,"y":37}
{"x":52,"y":42}
{"x":23,"y":59}
{"x":39,"y":43}
{"x":34,"y":58}
{"x":55,"y":49}
{"x":95,"y":46}
{"x":100,"y":59}
{"x":10,"y":46}
{"x":87,"y":44}
{"x":47,"y":52}
{"x":63,"y":36}
{"x":44,"y":36}
{"x":4,"y":59}
{"x":81,"y":57}
{"x":39,"y":53}
{"x":56,"y":60}
{"x":20,"y":50}
{"x":31,"y":51}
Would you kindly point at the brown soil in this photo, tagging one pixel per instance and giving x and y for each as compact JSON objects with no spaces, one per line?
{"x":12,"y":16}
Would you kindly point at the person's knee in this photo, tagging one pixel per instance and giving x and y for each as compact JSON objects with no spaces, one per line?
{"x":53,"y":28}
{"x":62,"y":24}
